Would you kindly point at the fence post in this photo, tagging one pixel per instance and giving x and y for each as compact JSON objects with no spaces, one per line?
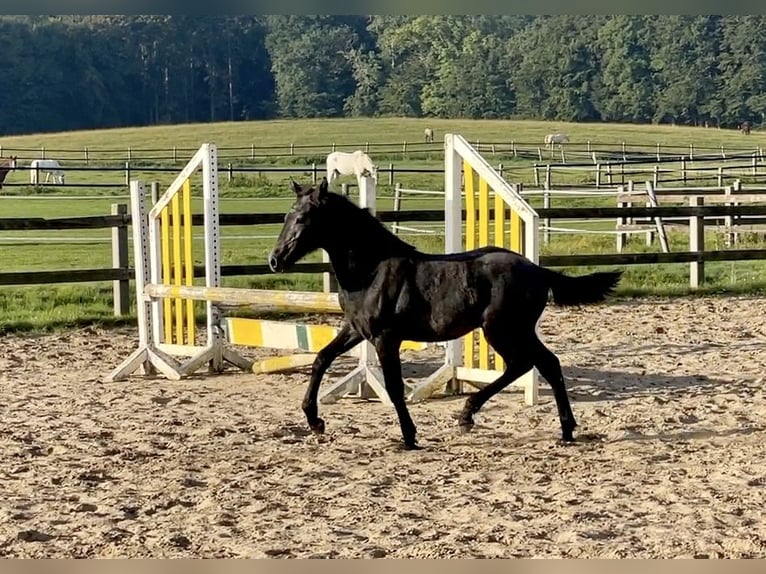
{"x":755,"y":164}
{"x":696,"y":244}
{"x":127,"y":173}
{"x":656,"y":177}
{"x":87,"y":161}
{"x":683,"y":169}
{"x":292,"y":149}
{"x":130,"y":154}
{"x":333,"y":146}
{"x":500,"y":169}
{"x":620,"y":221}
{"x":42,"y":152}
{"x":728,"y":220}
{"x":539,"y":153}
{"x":229,"y":172}
{"x":344,"y":189}
{"x":155,"y":186}
{"x":589,"y":150}
{"x":546,"y":220}
{"x":314,"y":173}
{"x":252,"y":151}
{"x":720,"y":176}
{"x":120,"y":287}
{"x":691,"y":152}
{"x":624,"y":157}
{"x":404,"y":148}
{"x":609,"y":173}
{"x":723,"y":152}
{"x":537,"y":176}
{"x":366,"y":147}
{"x":391,"y":174}
{"x":548,"y":176}
{"x":175,"y":153}
{"x":397,"y":207}
{"x":598,"y":175}
{"x":652,"y":202}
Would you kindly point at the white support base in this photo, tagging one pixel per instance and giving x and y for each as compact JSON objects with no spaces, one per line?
{"x":146,"y":357}
{"x":149,"y":356}
{"x":480,"y":378}
{"x":364,"y":382}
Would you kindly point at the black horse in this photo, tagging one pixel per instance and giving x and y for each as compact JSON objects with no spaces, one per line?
{"x":390,"y":292}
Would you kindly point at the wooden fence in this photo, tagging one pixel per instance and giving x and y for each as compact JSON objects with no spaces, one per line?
{"x":607,"y":151}
{"x":121,"y":273}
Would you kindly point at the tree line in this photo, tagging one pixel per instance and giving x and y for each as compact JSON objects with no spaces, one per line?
{"x":83,"y":72}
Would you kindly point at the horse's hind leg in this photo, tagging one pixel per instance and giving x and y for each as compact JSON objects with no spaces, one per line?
{"x":391,"y":364}
{"x":515,"y":352}
{"x":344,"y":341}
{"x":550,"y":368}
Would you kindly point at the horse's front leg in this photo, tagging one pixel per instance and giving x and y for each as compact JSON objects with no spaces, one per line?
{"x":391,"y":364}
{"x":344,"y":341}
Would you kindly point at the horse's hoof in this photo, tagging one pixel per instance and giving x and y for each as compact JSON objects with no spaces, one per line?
{"x":465,"y":426}
{"x":567,"y":440}
{"x":318,"y":426}
{"x":412,"y":445}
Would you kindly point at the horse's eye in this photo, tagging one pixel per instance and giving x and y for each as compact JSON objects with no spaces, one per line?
{"x":300,"y":220}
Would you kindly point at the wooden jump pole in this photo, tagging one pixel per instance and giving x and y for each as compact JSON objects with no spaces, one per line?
{"x":262,"y":299}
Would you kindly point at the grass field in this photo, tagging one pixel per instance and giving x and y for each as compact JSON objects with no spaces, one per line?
{"x":252,"y":192}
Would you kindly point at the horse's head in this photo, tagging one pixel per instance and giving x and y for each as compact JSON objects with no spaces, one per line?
{"x":303,"y":228}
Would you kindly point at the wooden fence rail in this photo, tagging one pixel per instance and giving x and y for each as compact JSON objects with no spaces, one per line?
{"x":121,"y":273}
{"x":607,"y":150}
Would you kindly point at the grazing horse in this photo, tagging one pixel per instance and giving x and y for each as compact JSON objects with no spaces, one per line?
{"x":552,"y":139}
{"x":50,"y":167}
{"x":391,"y":292}
{"x":344,"y":163}
{"x":744,"y":128}
{"x":6,"y":165}
{"x":429,"y":135}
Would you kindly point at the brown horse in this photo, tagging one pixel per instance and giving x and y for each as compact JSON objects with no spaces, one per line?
{"x":6,"y":165}
{"x":744,"y":128}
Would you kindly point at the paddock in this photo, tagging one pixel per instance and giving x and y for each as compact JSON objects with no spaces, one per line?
{"x":670,"y":460}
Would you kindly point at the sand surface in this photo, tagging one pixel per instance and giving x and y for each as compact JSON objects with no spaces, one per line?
{"x":671,"y":460}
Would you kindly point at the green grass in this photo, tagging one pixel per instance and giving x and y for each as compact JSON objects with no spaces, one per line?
{"x":259,"y":192}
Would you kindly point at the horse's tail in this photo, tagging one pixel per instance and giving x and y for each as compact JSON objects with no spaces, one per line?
{"x":582,"y":290}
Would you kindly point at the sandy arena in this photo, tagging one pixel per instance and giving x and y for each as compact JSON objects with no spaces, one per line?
{"x":671,"y":459}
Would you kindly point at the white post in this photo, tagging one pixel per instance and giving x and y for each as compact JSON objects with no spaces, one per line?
{"x":141,"y":264}
{"x":370,"y":386}
{"x":453,"y":232}
{"x":212,"y":253}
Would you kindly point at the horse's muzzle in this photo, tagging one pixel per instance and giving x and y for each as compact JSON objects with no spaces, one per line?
{"x":274,"y":263}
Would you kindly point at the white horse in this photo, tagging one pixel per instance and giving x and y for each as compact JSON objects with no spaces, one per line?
{"x":552,"y":139}
{"x":429,"y":135}
{"x":50,"y":167}
{"x":344,"y":163}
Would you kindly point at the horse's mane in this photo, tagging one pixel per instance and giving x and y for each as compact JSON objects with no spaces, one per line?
{"x":365,"y":222}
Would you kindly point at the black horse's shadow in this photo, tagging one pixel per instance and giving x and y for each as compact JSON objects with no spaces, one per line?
{"x":595,"y":384}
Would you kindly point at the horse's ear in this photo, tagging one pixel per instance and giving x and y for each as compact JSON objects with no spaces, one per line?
{"x":297,"y":189}
{"x":320,"y":193}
